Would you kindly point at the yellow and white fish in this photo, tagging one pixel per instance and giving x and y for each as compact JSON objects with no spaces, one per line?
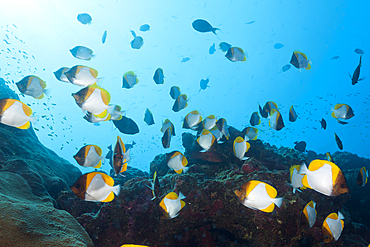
{"x":235,"y":54}
{"x":33,"y":86}
{"x":82,"y":75}
{"x":93,"y":99}
{"x":206,"y":140}
{"x":258,"y":195}
{"x":166,"y":124}
{"x":89,"y":156}
{"x":296,"y":178}
{"x":95,"y":187}
{"x":217,"y":134}
{"x":209,"y":122}
{"x":324,"y":177}
{"x":308,"y":217}
{"x":240,"y":147}
{"x":59,"y":74}
{"x":172,"y":204}
{"x":15,"y":113}
{"x":299,"y":60}
{"x":223,"y":127}
{"x":192,"y":120}
{"x":250,"y":133}
{"x":276,"y":120}
{"x":342,"y":111}
{"x":177,"y":161}
{"x":121,"y":157}
{"x":332,"y":227}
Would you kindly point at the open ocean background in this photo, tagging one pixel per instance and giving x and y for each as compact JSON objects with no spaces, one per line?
{"x":46,"y":30}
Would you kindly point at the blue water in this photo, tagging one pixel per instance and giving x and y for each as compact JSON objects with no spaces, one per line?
{"x":46,"y":30}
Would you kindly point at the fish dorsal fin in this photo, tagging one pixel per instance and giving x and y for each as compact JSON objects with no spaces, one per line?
{"x":311,"y":204}
{"x":107,"y":179}
{"x":303,"y":55}
{"x":93,"y":72}
{"x":251,"y":185}
{"x":239,"y":139}
{"x":178,"y":171}
{"x":172,"y":196}
{"x":317,"y":164}
{"x":109,"y":198}
{"x":27,"y":110}
{"x":98,"y":150}
{"x":184,"y":161}
{"x":337,"y":106}
{"x":269,"y":209}
{"x":248,"y":146}
{"x":271,"y":191}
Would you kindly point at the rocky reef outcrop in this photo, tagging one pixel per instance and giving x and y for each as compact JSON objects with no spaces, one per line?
{"x":31,"y":179}
{"x":213,"y":216}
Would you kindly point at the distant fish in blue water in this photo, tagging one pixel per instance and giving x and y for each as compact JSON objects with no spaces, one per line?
{"x":203,"y":26}
{"x":166,"y":138}
{"x":224,"y":46}
{"x":278,"y":46}
{"x":129,"y":80}
{"x":300,"y":146}
{"x":212,"y":49}
{"x":192,"y":120}
{"x":33,"y":86}
{"x":82,"y":52}
{"x":59,"y":74}
{"x":223,"y":128}
{"x":359,"y":51}
{"x":251,"y":22}
{"x":335,"y":57}
{"x":84,"y":18}
{"x":263,"y":113}
{"x":137,"y":42}
{"x":255,"y":119}
{"x":250,"y":133}
{"x":89,"y":156}
{"x":148,"y":117}
{"x":158,"y":76}
{"x":299,"y":60}
{"x":235,"y":54}
{"x":362,"y":177}
{"x":342,"y":111}
{"x":95,"y":187}
{"x":82,"y":75}
{"x":286,"y":67}
{"x":166,"y":124}
{"x":323,"y":123}
{"x":204,"y":84}
{"x":175,"y":92}
{"x":126,"y":126}
{"x":338,"y":141}
{"x":180,"y":103}
{"x":292,"y":114}
{"x":144,"y":27}
{"x":185,"y":59}
{"x":104,"y":37}
{"x":356,"y":74}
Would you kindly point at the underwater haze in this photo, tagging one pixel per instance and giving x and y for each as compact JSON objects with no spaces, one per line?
{"x":38,"y":34}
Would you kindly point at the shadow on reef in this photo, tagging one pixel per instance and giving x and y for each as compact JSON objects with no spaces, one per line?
{"x":213,"y":215}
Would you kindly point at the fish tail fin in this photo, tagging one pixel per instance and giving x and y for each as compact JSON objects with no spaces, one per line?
{"x":184,"y":170}
{"x":93,"y":56}
{"x":116,"y":190}
{"x":47,"y":92}
{"x":214,"y":30}
{"x":181,"y":196}
{"x":278,"y":201}
{"x":340,"y":216}
{"x":100,"y":80}
{"x":34,"y":119}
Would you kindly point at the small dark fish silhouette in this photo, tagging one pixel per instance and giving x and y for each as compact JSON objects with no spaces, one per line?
{"x":84,"y":18}
{"x":104,"y":38}
{"x":323,"y":124}
{"x":204,"y":84}
{"x":359,"y":51}
{"x":335,"y":58}
{"x":126,"y":126}
{"x":300,"y":146}
{"x":286,"y":67}
{"x":339,"y":142}
{"x":355,"y":77}
{"x":278,"y":46}
{"x":203,"y":26}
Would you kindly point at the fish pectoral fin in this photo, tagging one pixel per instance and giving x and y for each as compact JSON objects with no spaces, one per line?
{"x":363,"y":78}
